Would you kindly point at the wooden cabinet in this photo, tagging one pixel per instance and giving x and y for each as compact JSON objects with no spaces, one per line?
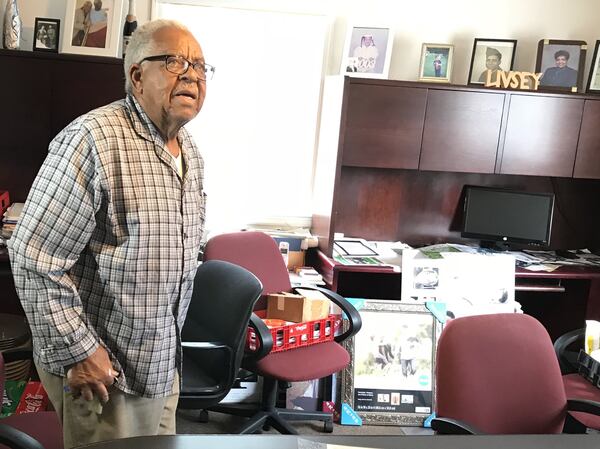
{"x":461,"y":131}
{"x":41,"y":93}
{"x":587,"y":161}
{"x":541,"y":135}
{"x":384,"y":125}
{"x":368,"y":183}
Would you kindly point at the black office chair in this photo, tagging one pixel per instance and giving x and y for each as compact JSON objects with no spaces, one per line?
{"x":567,"y":348}
{"x":214,"y":334}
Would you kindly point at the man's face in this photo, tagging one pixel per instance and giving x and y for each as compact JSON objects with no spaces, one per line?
{"x":492,"y":62}
{"x":170,"y":99}
{"x":561,"y":61}
{"x":98,"y":5}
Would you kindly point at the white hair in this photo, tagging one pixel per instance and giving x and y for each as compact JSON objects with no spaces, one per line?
{"x":142,"y":44}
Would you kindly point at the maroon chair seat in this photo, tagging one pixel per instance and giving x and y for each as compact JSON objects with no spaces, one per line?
{"x":307,"y":363}
{"x":259,"y":253}
{"x":45,"y":427}
{"x":498,"y":374}
{"x":576,"y":387}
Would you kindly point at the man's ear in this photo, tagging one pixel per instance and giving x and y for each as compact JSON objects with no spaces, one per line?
{"x":135,"y":75}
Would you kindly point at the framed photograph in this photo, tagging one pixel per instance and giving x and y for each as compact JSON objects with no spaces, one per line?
{"x":491,"y":54}
{"x":436,"y":63}
{"x":593,"y":85}
{"x":562,"y":64}
{"x":93,"y":27}
{"x":367,"y":52}
{"x":390,"y":376}
{"x":46,"y":33}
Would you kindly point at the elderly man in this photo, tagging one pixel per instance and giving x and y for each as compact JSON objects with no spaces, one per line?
{"x":81,"y":23}
{"x":561,"y":74}
{"x":105,"y":254}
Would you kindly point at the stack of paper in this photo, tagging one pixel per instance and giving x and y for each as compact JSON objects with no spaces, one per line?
{"x":9,"y":221}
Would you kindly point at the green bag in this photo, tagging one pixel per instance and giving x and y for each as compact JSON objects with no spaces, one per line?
{"x":13,"y":389}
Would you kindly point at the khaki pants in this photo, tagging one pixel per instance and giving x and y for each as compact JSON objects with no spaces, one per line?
{"x":123,"y":416}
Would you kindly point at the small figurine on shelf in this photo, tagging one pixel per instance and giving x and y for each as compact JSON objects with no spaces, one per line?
{"x":12,"y":26}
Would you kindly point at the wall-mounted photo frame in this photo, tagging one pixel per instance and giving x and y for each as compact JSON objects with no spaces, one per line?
{"x":436,"y":63}
{"x":593,"y":84}
{"x":491,"y":54}
{"x":562,"y":63}
{"x":46,"y":34}
{"x":390,"y":376}
{"x":367,"y":52}
{"x":93,"y":27}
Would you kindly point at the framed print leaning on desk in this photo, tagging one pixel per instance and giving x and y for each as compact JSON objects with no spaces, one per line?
{"x":390,"y":376}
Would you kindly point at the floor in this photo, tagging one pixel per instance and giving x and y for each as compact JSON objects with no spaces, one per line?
{"x":187,"y":423}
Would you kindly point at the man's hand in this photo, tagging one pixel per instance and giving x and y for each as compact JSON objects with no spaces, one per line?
{"x":92,"y":375}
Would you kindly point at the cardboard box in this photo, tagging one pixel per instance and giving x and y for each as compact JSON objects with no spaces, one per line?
{"x":296,"y":308}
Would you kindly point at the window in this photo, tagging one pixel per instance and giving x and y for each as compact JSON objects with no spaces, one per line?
{"x":257,"y":129}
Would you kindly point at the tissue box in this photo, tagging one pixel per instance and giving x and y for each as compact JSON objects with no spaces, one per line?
{"x":296,"y":308}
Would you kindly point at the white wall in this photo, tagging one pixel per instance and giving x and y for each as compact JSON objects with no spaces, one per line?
{"x":456,"y":22}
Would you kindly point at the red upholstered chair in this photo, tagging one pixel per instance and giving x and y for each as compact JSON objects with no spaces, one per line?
{"x":575,"y":385}
{"x":498,"y":374}
{"x":258,"y":253}
{"x":39,"y":430}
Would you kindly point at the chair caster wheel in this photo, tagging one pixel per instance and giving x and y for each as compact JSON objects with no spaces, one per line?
{"x":203,"y":417}
{"x":328,"y":427}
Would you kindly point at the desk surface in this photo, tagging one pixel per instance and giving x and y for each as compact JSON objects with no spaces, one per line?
{"x":387,"y":442}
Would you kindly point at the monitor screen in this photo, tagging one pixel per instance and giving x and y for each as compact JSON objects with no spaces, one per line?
{"x":502,"y":215}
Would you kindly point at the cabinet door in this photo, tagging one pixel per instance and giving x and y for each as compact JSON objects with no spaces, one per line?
{"x":541,"y":135}
{"x":384,"y":125}
{"x":461,"y":132}
{"x":587,"y":161}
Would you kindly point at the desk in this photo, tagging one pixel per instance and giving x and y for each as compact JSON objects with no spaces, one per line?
{"x":561,"y":300}
{"x":388,"y":442}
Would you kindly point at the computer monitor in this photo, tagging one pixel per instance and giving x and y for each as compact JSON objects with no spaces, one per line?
{"x":501,"y":217}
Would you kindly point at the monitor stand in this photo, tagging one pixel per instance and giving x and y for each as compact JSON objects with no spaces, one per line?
{"x":496,"y":245}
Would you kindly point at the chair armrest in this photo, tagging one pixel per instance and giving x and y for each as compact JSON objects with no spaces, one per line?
{"x":449,"y":426}
{"x":562,"y":343}
{"x":16,"y":439}
{"x":265,"y":339}
{"x":583,"y":405}
{"x":350,"y":311}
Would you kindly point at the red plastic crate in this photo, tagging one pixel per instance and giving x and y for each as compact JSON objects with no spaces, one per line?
{"x":296,"y":335}
{"x":4,"y":202}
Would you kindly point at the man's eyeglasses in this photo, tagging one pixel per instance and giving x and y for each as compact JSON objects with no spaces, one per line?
{"x":179,"y":65}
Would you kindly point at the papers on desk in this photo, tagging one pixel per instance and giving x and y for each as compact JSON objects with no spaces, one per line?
{"x":353,"y":251}
{"x":468,"y":283}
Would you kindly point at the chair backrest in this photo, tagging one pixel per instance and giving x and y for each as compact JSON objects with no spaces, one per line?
{"x":219,"y":311}
{"x":256,"y":252}
{"x":499,"y":374}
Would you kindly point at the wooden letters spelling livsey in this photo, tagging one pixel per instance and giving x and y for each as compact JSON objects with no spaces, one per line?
{"x":513,"y":80}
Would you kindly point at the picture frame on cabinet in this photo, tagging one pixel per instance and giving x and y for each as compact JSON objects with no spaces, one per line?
{"x":46,"y":33}
{"x":593,"y":84}
{"x":436,"y":63}
{"x":562,"y":63}
{"x":367,"y":52}
{"x":93,"y":27}
{"x":392,"y":362}
{"x":491,"y":54}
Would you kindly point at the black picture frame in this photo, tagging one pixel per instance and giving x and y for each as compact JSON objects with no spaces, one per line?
{"x":593,"y":83}
{"x":46,"y":35}
{"x":506,"y":48}
{"x":547,"y":62}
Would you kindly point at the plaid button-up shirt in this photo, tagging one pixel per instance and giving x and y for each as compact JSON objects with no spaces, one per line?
{"x":106,"y":249}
